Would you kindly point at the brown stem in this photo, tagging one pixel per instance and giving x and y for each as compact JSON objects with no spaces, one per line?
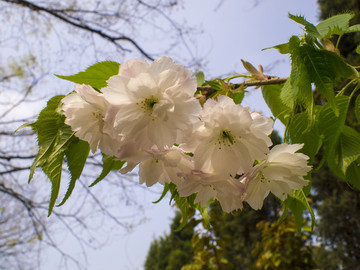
{"x":209,"y":90}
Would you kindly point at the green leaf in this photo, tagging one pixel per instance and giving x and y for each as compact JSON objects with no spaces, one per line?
{"x":358,"y":49}
{"x":297,"y":203}
{"x":46,"y":126}
{"x":271,"y":95}
{"x":353,"y":28}
{"x":205,"y":215}
{"x":109,"y":164}
{"x":53,"y":168}
{"x":357,"y":108}
{"x":63,"y":137}
{"x":49,"y":120}
{"x":287,"y":96}
{"x":330,"y":127}
{"x":23,"y":126}
{"x":309,"y":27}
{"x":320,"y":72}
{"x":55,"y":139}
{"x":41,"y":157}
{"x":350,"y":146}
{"x":337,"y":24}
{"x":200,"y":78}
{"x":185,"y":204}
{"x":76,"y":154}
{"x":326,"y":69}
{"x":165,"y":191}
{"x":282,"y":48}
{"x":298,"y":91}
{"x":214,"y":84}
{"x":285,"y":212}
{"x":300,"y":134}
{"x":353,"y":174}
{"x":95,"y":75}
{"x":238,"y":97}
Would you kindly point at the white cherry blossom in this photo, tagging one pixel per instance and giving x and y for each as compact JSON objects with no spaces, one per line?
{"x":281,"y":172}
{"x":85,"y":111}
{"x":230,"y":138}
{"x":152,"y":104}
{"x":163,"y":166}
{"x":207,"y":185}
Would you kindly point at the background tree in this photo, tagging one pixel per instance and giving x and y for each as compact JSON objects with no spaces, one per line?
{"x":174,"y":250}
{"x":37,"y":36}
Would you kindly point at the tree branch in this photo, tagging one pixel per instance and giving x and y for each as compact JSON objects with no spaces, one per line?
{"x":209,"y":90}
{"x":59,"y":14}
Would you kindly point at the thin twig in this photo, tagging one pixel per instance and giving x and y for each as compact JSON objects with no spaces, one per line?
{"x":209,"y":90}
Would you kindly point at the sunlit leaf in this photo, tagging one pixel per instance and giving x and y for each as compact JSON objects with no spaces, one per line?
{"x":297,"y":203}
{"x":271,"y":95}
{"x":238,"y":97}
{"x":309,"y":27}
{"x":200,"y":78}
{"x":298,"y":91}
{"x":109,"y":164}
{"x":95,"y":75}
{"x":164,"y":192}
{"x":53,"y":169}
{"x":282,"y":48}
{"x":337,"y":24}
{"x":309,"y":137}
{"x":76,"y":154}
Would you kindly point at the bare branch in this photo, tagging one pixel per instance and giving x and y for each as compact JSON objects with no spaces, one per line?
{"x":77,"y":23}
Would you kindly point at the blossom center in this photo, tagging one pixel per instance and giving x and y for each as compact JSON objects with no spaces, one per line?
{"x":225,"y":138}
{"x":100,"y":118}
{"x":148,"y":104}
{"x":262,"y":177}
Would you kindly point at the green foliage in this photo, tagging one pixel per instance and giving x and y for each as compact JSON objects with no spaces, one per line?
{"x":300,"y":133}
{"x":321,"y":127}
{"x":298,"y":92}
{"x":200,"y":78}
{"x":95,"y":75}
{"x":331,"y":127}
{"x":282,"y":48}
{"x":76,"y":154}
{"x":297,"y":203}
{"x":337,"y":25}
{"x":309,"y":27}
{"x":271,"y":95}
{"x":357,"y":108}
{"x":56,"y":140}
{"x":109,"y":164}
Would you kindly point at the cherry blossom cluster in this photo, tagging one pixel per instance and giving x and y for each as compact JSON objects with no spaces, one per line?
{"x":148,"y":116}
